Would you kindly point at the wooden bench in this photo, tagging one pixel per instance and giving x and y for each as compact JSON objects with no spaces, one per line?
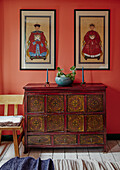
{"x":14,"y":122}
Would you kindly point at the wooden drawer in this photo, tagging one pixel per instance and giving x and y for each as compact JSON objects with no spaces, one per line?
{"x":65,"y":139}
{"x":95,"y":123}
{"x":55,"y":123}
{"x":91,"y":139}
{"x":55,"y":103}
{"x":35,"y":103}
{"x":35,"y":123}
{"x":75,"y":103}
{"x":39,"y":140}
{"x":95,"y":103}
{"x":75,"y":123}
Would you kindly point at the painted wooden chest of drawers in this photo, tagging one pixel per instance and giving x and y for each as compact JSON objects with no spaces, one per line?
{"x":72,"y":116}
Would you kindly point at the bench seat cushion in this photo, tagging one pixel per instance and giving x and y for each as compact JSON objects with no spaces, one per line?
{"x":10,"y":120}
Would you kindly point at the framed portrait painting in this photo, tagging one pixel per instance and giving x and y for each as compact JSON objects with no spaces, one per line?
{"x":37,"y":39}
{"x":92,"y":39}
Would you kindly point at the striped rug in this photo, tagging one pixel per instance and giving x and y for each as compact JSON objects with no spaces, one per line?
{"x":80,"y":164}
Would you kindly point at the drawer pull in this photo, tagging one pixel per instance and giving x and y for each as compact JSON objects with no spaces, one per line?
{"x":91,"y":140}
{"x":64,"y":140}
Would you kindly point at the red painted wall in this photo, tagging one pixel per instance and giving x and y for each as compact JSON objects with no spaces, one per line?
{"x":12,"y":79}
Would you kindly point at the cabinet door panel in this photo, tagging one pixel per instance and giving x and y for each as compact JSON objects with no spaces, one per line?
{"x":35,"y":103}
{"x":91,"y":139}
{"x":75,"y":123}
{"x":75,"y":103}
{"x":95,"y":123}
{"x":55,"y":123}
{"x":55,"y":103}
{"x":65,"y":139}
{"x":35,"y":123}
{"x":39,"y":140}
{"x":95,"y":103}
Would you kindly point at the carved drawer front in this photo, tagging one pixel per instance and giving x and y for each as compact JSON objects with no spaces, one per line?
{"x":39,"y":140}
{"x":65,"y":139}
{"x":75,"y":123}
{"x":35,"y":123}
{"x":91,"y":139}
{"x":55,"y":103}
{"x":95,"y":103}
{"x":35,"y":103}
{"x":75,"y":103}
{"x":55,"y":123}
{"x":95,"y":123}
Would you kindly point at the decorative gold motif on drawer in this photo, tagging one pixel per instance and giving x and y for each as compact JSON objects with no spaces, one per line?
{"x":35,"y":103}
{"x":65,"y":139}
{"x":75,"y":123}
{"x":55,"y":123}
{"x":95,"y":123}
{"x":35,"y":123}
{"x":75,"y":103}
{"x":39,"y":140}
{"x":95,"y":103}
{"x":91,"y":139}
{"x":55,"y":103}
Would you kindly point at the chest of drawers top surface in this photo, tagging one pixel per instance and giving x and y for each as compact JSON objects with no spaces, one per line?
{"x":74,"y":87}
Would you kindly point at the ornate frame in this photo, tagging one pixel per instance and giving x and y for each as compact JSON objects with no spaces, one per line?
{"x":39,"y":59}
{"x":101,"y":21}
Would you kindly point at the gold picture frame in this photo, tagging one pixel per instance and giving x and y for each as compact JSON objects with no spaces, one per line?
{"x":37,"y":39}
{"x":92,"y":39}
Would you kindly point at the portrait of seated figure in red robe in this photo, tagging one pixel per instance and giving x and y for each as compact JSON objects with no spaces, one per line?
{"x":92,"y":44}
{"x":37,"y":44}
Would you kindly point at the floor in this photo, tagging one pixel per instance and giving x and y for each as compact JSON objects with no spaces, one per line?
{"x":112,"y":154}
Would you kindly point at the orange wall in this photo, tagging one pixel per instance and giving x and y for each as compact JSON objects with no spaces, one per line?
{"x":12,"y":79}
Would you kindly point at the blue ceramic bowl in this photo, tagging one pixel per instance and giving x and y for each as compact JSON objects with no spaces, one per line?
{"x":63,"y":81}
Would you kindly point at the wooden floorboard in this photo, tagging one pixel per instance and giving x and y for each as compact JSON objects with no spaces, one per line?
{"x":46,"y":153}
{"x":118,"y":141}
{"x":35,"y":153}
{"x":8,"y":155}
{"x":107,"y":156}
{"x":2,"y":162}
{"x":113,"y":146}
{"x":3,"y":148}
{"x":82,"y":153}
{"x":58,"y":154}
{"x":95,"y":154}
{"x":114,"y":149}
{"x":21,"y":150}
{"x":112,"y":154}
{"x":70,"y":154}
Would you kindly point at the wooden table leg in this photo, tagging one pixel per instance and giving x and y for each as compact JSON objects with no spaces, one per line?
{"x":105,"y":149}
{"x":25,"y":149}
{"x":15,"y":143}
